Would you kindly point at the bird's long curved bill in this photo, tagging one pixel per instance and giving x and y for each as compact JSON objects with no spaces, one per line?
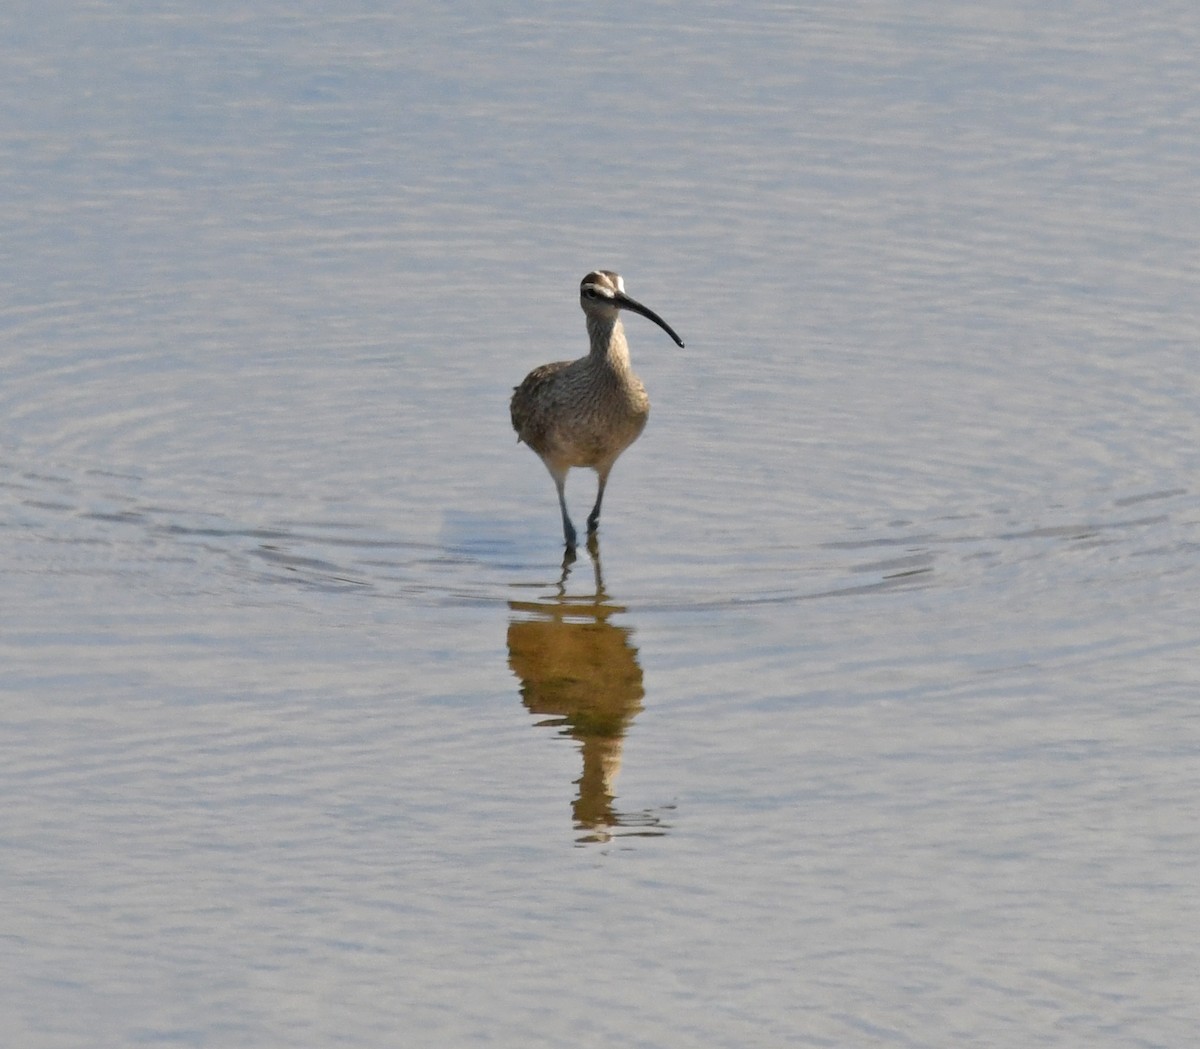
{"x":626,"y":303}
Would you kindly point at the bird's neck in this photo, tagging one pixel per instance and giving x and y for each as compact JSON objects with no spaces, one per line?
{"x":609,"y":347}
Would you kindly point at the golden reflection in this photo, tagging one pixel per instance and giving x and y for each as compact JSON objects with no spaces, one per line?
{"x":581,"y":672}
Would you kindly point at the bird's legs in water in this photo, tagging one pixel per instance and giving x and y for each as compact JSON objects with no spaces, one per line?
{"x":569,"y":558}
{"x":593,"y":521}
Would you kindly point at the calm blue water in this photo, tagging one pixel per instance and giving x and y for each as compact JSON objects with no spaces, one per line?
{"x":872,"y":723}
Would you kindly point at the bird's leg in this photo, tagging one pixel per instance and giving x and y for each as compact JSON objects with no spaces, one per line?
{"x":594,"y":516}
{"x":560,"y":481}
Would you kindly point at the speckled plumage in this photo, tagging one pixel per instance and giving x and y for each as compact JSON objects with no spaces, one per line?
{"x":588,"y":411}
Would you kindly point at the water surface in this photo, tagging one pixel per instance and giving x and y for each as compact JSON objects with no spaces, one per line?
{"x":870,"y":721}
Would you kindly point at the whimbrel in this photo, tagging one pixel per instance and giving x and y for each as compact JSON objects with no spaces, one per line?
{"x":587,"y":412}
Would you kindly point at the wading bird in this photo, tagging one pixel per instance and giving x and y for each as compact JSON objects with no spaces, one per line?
{"x":587,"y":412}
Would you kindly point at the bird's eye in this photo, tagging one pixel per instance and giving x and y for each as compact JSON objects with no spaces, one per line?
{"x":589,"y":292}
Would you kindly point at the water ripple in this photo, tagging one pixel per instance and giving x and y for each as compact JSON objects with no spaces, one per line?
{"x":54,"y":519}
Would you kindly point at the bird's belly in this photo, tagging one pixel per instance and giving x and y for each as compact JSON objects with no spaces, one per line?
{"x":595,"y":442}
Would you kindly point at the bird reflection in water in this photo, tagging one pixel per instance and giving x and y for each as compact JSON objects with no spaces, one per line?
{"x":580,"y":671}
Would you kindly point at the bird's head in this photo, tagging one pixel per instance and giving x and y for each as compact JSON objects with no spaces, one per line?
{"x":602,"y":294}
